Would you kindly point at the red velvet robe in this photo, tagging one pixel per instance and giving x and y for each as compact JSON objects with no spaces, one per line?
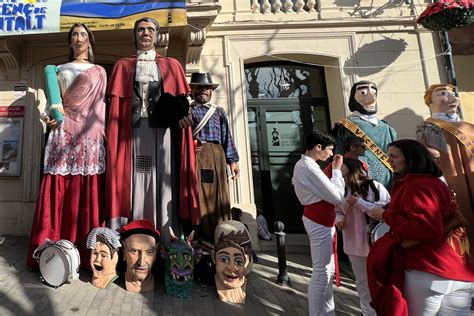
{"x":419,"y":207}
{"x":119,"y":140}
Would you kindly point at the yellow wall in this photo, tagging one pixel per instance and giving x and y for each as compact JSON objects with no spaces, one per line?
{"x":464,"y":65}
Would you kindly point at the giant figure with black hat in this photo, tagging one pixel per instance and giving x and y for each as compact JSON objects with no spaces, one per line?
{"x":377,"y":134}
{"x":215,"y":150}
{"x":149,"y":138}
{"x":140,"y":246}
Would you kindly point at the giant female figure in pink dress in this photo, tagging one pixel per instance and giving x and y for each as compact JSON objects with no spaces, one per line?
{"x":70,"y":198}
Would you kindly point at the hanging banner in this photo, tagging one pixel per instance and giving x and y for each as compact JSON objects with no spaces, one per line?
{"x":47,"y":16}
{"x":29,"y":16}
{"x":113,"y":14}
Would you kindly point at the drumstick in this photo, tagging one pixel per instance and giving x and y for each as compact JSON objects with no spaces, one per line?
{"x":347,"y":212}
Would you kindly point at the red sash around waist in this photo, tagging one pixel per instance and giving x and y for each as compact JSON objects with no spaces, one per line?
{"x":322,"y":212}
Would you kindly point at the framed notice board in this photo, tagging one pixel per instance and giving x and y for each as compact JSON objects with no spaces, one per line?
{"x":11,"y":139}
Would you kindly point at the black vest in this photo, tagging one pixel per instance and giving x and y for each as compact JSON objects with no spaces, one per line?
{"x":154,"y":92}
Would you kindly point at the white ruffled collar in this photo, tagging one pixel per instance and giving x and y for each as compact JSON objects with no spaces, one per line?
{"x":147,"y":70}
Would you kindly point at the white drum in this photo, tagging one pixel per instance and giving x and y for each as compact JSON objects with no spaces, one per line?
{"x":58,"y":262}
{"x":377,"y":230}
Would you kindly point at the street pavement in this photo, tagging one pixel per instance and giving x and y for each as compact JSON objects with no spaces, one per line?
{"x":22,"y":293}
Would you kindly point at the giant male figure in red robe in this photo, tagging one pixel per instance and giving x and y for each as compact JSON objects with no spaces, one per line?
{"x":150,"y":159}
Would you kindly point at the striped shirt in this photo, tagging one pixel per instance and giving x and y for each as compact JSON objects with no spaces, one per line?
{"x":216,"y":130}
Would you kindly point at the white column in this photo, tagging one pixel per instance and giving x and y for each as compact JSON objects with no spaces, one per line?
{"x":255,"y":7}
{"x":288,"y":7}
{"x":310,"y":4}
{"x":277,"y":7}
{"x":266,"y":7}
{"x":299,"y":6}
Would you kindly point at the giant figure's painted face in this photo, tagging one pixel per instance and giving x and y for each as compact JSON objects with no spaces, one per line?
{"x":363,"y":97}
{"x":139,"y":253}
{"x":443,"y":100}
{"x":104,"y":244}
{"x":146,"y":36}
{"x":230,"y":268}
{"x":179,"y":267}
{"x":103,"y":263}
{"x":233,"y":258}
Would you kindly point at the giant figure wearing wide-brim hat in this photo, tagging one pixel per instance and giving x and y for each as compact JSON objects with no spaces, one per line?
{"x":215,"y":150}
{"x":377,"y":134}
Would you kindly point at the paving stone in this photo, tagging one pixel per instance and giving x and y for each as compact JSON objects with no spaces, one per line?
{"x":22,"y":293}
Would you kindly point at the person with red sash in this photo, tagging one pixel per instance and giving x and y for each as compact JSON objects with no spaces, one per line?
{"x":150,"y":147}
{"x":422,"y":266}
{"x":319,"y":195}
{"x":70,"y":200}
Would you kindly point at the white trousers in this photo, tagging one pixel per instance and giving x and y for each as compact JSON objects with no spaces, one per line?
{"x":428,"y":294}
{"x":320,"y":293}
{"x":359,"y":267}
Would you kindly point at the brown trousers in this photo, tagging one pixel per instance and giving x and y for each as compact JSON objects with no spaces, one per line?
{"x":213,"y":190}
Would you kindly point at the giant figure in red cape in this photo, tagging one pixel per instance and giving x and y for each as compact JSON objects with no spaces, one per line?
{"x":148,"y":160}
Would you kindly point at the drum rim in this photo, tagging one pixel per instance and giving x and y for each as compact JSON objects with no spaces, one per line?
{"x":373,"y":227}
{"x":66,"y":271}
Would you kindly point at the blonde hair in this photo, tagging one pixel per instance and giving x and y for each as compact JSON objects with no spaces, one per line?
{"x":432,"y":88}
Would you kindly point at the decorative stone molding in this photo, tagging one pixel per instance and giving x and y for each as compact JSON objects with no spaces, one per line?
{"x":196,"y":40}
{"x":163,"y":42}
{"x":201,"y":16}
{"x":9,"y":59}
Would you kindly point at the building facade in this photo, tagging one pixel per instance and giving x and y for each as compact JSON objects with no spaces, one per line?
{"x":285,"y":67}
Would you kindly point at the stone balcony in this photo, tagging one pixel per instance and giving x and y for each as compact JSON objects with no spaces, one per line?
{"x":318,"y":10}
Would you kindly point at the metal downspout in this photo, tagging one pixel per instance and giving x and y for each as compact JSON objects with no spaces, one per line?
{"x":449,"y":64}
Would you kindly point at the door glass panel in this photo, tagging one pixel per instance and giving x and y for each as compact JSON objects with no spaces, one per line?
{"x":252,"y":118}
{"x":284,"y":81}
{"x":319,"y":117}
{"x":284,"y":129}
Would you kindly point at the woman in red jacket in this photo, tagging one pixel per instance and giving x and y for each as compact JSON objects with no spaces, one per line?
{"x":423,"y":266}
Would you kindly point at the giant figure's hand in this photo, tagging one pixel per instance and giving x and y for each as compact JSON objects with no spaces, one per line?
{"x":186,"y":121}
{"x":52,"y":123}
{"x":234,"y":169}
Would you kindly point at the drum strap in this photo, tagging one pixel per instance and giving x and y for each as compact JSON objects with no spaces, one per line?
{"x":453,"y":130}
{"x":371,"y":145}
{"x":40,"y":248}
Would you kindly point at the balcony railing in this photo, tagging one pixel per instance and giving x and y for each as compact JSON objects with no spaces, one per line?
{"x":284,"y":6}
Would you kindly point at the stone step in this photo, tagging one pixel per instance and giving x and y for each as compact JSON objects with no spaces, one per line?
{"x":294,"y":243}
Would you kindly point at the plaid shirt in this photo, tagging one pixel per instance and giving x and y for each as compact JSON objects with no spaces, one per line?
{"x":216,"y":130}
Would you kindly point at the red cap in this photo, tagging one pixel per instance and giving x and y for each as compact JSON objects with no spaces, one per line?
{"x":143,"y":226}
